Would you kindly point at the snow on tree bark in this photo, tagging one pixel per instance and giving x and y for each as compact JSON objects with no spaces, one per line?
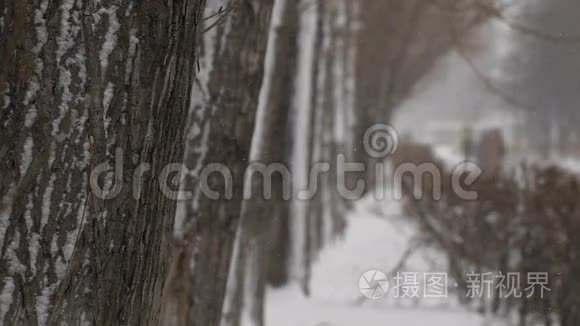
{"x":81,"y":79}
{"x":279,"y":238}
{"x":302,"y":138}
{"x":264,"y":222}
{"x":220,"y":131}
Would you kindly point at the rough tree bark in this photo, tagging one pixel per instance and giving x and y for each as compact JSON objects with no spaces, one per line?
{"x":83,"y":82}
{"x":220,"y":131}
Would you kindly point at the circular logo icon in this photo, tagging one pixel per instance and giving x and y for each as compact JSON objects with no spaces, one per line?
{"x":381,"y":140}
{"x":374,"y":284}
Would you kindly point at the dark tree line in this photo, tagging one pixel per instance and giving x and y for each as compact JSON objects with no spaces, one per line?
{"x":84,"y":83}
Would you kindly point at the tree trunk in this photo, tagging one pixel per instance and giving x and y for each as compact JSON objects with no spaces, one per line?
{"x":220,"y":131}
{"x":84,"y":83}
{"x":263,"y":218}
{"x":279,"y":238}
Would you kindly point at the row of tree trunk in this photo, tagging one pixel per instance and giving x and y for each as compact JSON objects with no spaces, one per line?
{"x":99,"y":99}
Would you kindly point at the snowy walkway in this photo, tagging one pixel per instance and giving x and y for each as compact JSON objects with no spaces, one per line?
{"x":371,"y":242}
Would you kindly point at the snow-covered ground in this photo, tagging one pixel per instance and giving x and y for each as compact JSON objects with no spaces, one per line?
{"x":288,"y":308}
{"x":376,"y":239}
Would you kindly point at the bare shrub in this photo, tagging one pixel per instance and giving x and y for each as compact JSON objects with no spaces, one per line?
{"x":528,"y":221}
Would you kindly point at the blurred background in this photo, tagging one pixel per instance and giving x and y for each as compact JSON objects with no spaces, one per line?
{"x":493,"y":82}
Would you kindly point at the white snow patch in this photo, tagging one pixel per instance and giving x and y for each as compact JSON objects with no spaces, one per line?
{"x":26,"y":156}
{"x":64,"y":81}
{"x":6,"y":297}
{"x":80,"y":60}
{"x":54,"y":245}
{"x":33,"y":249}
{"x":133,"y":41}
{"x":65,"y":39}
{"x":5,"y":215}
{"x":30,"y":115}
{"x":197,"y":111}
{"x":14,"y":264}
{"x":202,"y":149}
{"x":288,"y":308}
{"x":28,"y":213}
{"x":372,"y":241}
{"x":34,"y":87}
{"x":110,"y":38}
{"x":107,"y":98}
{"x":46,"y":202}
{"x":59,"y":268}
{"x":6,"y":99}
{"x":43,"y":304}
{"x":69,"y":245}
